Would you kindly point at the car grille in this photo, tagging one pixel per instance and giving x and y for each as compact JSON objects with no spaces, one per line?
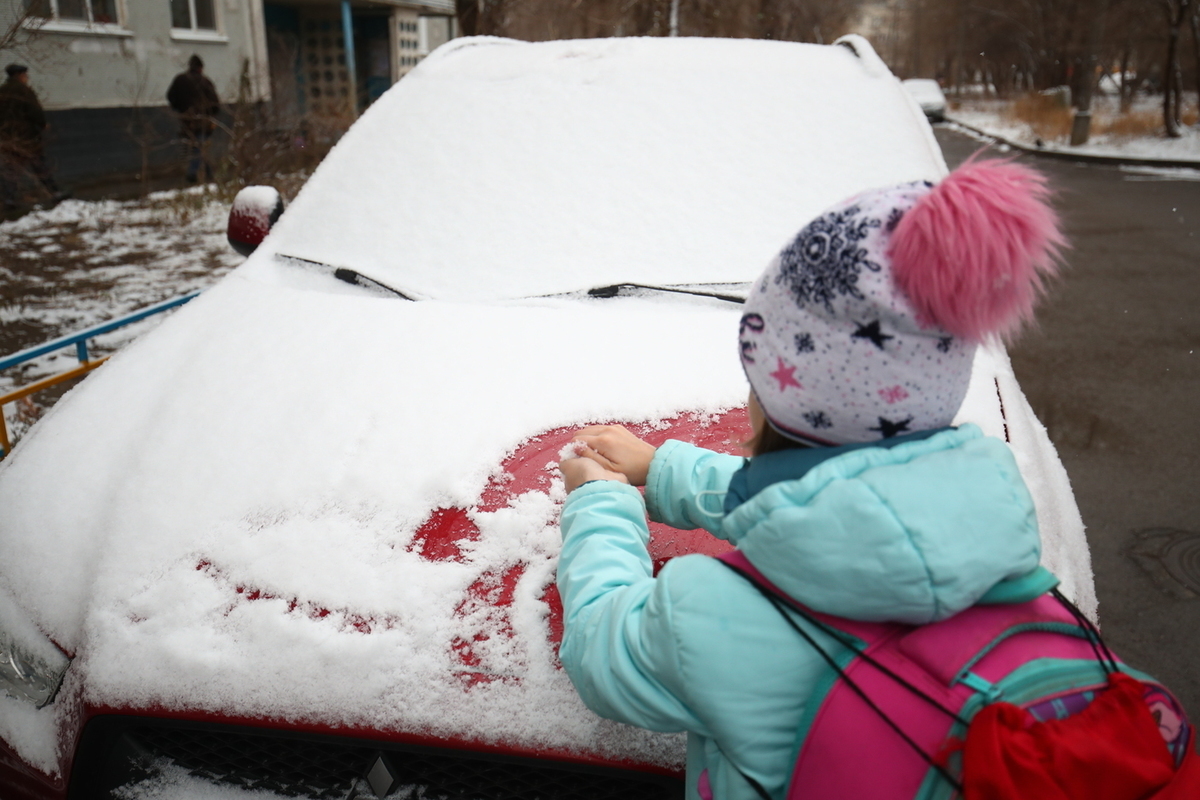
{"x":117,"y":752}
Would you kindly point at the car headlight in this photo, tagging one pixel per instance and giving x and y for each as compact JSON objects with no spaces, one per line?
{"x":31,"y":667}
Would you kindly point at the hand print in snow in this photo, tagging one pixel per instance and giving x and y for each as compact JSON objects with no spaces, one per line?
{"x":825,"y":258}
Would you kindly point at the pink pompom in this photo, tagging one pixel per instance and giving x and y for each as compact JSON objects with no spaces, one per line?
{"x":972,"y":256}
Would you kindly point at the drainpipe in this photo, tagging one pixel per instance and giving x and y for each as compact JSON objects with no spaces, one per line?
{"x":348,"y":37}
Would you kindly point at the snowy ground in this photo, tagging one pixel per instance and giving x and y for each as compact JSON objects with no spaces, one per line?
{"x":991,"y":117}
{"x":83,"y":263}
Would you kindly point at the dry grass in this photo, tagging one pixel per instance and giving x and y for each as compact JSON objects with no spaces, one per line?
{"x":1048,"y":116}
{"x":1145,"y":122}
{"x":1134,"y":123}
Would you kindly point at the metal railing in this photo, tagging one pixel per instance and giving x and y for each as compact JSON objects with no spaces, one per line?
{"x":86,"y":364}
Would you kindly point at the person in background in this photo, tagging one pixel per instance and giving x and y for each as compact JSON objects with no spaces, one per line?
{"x":194,"y":98}
{"x":22,"y":146}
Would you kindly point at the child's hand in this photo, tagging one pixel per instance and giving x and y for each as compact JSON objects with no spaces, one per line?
{"x":581,"y":468}
{"x":617,"y":450}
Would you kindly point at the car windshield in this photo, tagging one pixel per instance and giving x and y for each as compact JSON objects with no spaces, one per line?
{"x":500,"y":169}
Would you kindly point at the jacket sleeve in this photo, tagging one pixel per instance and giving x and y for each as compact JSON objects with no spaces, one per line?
{"x":686,"y":486}
{"x":618,"y":644}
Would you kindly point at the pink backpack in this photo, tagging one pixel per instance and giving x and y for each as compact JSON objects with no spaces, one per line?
{"x":901,"y":698}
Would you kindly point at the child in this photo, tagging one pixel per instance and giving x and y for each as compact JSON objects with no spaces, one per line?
{"x":859,"y":500}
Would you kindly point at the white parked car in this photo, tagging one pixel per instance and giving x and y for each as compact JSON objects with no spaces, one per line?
{"x":301,"y":538}
{"x":928,"y":94}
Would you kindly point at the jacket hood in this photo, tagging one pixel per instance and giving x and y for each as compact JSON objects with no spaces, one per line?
{"x":929,"y":525}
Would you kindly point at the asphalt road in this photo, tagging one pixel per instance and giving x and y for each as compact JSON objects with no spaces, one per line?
{"x":1114,"y":373}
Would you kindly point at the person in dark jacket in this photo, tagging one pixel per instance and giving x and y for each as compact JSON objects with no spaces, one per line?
{"x":22,"y":125}
{"x":194,"y":98}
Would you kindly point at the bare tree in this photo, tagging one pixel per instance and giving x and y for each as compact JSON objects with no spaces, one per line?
{"x":1131,"y":44}
{"x":1196,"y":46}
{"x":23,"y":23}
{"x":1177,"y":12}
{"x":795,"y":20}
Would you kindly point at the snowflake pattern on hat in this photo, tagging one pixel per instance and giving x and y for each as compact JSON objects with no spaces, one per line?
{"x":824,"y":261}
{"x":833,"y":350}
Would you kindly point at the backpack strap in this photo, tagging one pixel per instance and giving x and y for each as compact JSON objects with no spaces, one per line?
{"x":738,"y":563}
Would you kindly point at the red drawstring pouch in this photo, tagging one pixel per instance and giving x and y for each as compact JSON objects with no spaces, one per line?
{"x":1111,"y":750}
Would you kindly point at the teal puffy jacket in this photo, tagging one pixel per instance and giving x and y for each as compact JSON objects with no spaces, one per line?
{"x":911,"y":533}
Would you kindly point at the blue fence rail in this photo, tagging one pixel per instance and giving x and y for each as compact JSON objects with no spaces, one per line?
{"x":86,"y":364}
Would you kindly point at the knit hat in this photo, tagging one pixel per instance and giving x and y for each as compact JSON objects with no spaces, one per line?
{"x":15,"y":69}
{"x":865,"y":325}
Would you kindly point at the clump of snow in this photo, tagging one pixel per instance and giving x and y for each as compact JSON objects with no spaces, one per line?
{"x":257,"y":198}
{"x":32,"y":733}
{"x":172,"y":782}
{"x":570,"y":450}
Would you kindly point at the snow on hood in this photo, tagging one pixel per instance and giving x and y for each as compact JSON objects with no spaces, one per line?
{"x":289,"y":443}
{"x":235,"y":496}
{"x":662,"y":161}
{"x":192,"y":466}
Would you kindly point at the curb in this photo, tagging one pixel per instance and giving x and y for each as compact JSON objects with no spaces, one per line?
{"x":1088,"y":158}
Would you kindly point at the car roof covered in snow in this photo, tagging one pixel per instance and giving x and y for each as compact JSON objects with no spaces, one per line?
{"x":501,"y":169}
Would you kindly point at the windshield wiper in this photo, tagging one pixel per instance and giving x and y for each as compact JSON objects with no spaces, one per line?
{"x":346,"y":275}
{"x":615,"y":289}
{"x":358,"y":279}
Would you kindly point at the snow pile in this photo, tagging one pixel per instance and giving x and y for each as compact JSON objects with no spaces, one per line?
{"x":298,"y":471}
{"x":171,"y":782}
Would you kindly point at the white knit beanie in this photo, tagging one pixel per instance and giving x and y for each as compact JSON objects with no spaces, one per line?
{"x":865,"y":326}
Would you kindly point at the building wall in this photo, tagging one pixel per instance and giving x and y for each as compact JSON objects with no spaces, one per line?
{"x":131,"y":63}
{"x":88,"y":145}
{"x":104,"y":85}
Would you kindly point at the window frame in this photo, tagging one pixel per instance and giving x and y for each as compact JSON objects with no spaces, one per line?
{"x":55,"y":23}
{"x":197,"y":34}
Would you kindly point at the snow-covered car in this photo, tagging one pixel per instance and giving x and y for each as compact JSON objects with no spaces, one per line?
{"x":301,"y":538}
{"x":928,"y":94}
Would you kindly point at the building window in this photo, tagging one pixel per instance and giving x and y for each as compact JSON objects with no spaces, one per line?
{"x":99,"y":12}
{"x":192,"y":15}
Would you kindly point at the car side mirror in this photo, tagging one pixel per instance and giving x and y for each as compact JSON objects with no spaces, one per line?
{"x":254,"y":211}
